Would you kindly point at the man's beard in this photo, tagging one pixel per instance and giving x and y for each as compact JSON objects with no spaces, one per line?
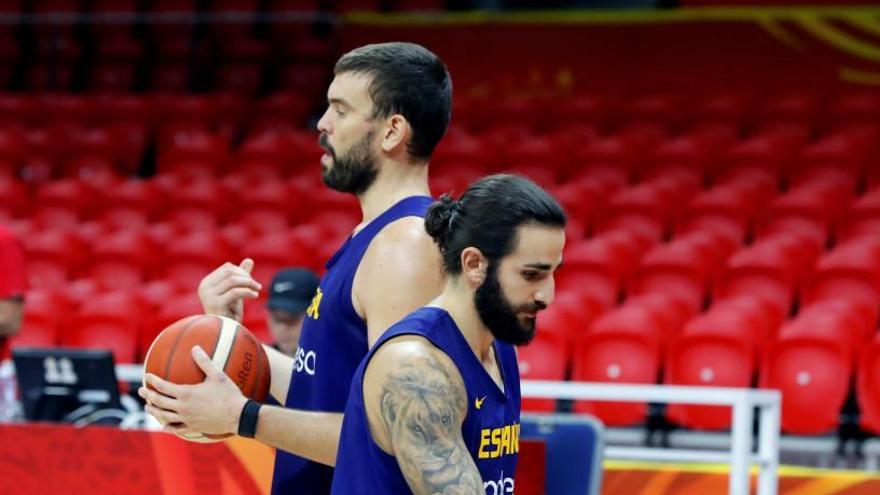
{"x":353,"y":172}
{"x":499,"y":315}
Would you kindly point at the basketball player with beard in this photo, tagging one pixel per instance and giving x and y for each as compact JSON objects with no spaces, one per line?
{"x":389,"y":105}
{"x":434,"y":408}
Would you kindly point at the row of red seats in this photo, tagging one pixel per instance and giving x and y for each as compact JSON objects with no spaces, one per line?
{"x":245,"y":78}
{"x":678,"y":109}
{"x":488,"y":116}
{"x":742,"y":205}
{"x":152,"y":110}
{"x":833,"y":167}
{"x":125,"y":322}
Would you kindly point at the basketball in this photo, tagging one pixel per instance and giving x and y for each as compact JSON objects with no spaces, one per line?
{"x":231,"y":346}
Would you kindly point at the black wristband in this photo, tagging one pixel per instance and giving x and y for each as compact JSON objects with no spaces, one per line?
{"x":247,"y":423}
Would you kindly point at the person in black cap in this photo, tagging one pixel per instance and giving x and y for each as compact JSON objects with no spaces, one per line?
{"x":290,"y":295}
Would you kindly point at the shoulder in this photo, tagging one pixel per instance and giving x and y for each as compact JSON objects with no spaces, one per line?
{"x":404,"y":235}
{"x":410,"y":365}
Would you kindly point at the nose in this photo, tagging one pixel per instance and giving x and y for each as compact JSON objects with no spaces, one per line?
{"x":324,"y":122}
{"x":546,"y":293}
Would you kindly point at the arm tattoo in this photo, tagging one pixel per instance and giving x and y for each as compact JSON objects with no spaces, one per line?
{"x":422,"y":407}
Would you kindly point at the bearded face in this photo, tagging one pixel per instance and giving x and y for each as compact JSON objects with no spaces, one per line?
{"x":508,"y":322}
{"x":352,"y":171}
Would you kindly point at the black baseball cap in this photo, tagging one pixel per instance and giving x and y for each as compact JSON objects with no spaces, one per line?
{"x":292,"y":290}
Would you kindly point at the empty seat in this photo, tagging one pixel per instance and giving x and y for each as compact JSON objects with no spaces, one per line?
{"x":681,"y":268}
{"x":274,"y":251}
{"x":862,"y":217}
{"x":821,"y":202}
{"x":598,"y":266}
{"x":122,"y":260}
{"x":726,"y":210}
{"x":545,"y":358}
{"x":850,"y":271}
{"x":52,"y":256}
{"x":810,"y":360}
{"x":569,"y":317}
{"x":107,"y":321}
{"x":190,"y":258}
{"x":644,"y":210}
{"x":767,"y":270}
{"x":14,"y":197}
{"x":42,"y":312}
{"x":717,"y":349}
{"x":621,"y":346}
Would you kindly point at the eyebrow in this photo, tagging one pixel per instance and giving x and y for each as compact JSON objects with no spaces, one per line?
{"x":338,"y":101}
{"x":539,"y":266}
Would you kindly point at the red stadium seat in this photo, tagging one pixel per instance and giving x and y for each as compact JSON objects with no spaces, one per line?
{"x":612,"y":150}
{"x":644,"y":210}
{"x":862,"y":217}
{"x":681,"y":268}
{"x":189,"y":258}
{"x":122,"y":260}
{"x":850,"y":271}
{"x":70,"y":194}
{"x":821,"y":202}
{"x":791,"y":106}
{"x":274,"y":251}
{"x":622,"y":346}
{"x":107,"y":321}
{"x":14,"y":197}
{"x":725,"y":210}
{"x":809,"y":360}
{"x":767,"y":270}
{"x":598,"y":266}
{"x":716,"y":349}
{"x":43,"y":310}
{"x":287,"y":107}
{"x":569,"y":317}
{"x":545,"y":358}
{"x":662,"y":108}
{"x":243,"y":78}
{"x":52,"y":257}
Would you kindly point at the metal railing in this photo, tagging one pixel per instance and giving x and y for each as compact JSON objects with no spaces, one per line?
{"x":743,"y":402}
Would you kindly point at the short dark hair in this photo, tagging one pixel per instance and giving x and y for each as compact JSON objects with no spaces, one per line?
{"x":487,"y":216}
{"x":409,"y":80}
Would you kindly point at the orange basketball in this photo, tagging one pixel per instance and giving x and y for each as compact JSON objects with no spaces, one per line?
{"x":230,"y":346}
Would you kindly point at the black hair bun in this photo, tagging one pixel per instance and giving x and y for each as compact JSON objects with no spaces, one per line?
{"x":439,"y":218}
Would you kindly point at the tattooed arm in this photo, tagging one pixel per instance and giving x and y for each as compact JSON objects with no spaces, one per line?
{"x":416,"y":403}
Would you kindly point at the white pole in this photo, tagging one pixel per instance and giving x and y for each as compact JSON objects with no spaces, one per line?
{"x":768,"y":449}
{"x":741,"y":439}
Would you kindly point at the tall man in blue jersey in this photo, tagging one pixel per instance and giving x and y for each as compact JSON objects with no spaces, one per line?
{"x":389,"y":105}
{"x":435,"y":405}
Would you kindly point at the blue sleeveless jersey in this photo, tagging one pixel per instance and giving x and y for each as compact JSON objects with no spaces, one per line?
{"x":490,"y":429}
{"x":332,"y":343}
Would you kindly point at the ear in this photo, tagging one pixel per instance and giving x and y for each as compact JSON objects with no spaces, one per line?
{"x":395,"y":133}
{"x":474,"y":265}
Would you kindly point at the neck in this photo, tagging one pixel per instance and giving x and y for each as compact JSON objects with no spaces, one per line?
{"x":459,"y":303}
{"x":396,"y":180}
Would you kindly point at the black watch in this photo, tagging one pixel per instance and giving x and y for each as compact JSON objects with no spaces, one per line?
{"x":247,"y":423}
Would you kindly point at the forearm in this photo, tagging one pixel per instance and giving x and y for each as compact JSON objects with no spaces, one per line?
{"x":281,"y":367}
{"x":313,"y":435}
